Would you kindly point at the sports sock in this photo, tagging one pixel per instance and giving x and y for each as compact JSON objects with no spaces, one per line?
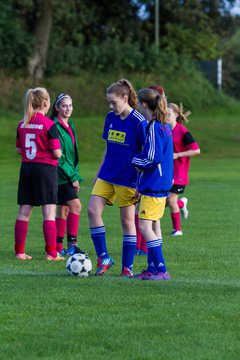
{"x":155,"y":250}
{"x":128,"y":250}
{"x":20,"y":233}
{"x":180,"y":203}
{"x":50,"y":232}
{"x":72,"y":228}
{"x":98,"y":235}
{"x":151,"y":267}
{"x":61,"y":229}
{"x":176,"y":221}
{"x":141,"y":243}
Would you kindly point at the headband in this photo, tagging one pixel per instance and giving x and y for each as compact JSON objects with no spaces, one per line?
{"x":61,"y":97}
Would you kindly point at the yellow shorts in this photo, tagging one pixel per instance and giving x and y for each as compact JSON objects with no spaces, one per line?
{"x":125,"y":196}
{"x":151,"y":208}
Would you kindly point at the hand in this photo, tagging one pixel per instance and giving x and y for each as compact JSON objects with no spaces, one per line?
{"x":137,"y":194}
{"x":76,"y":185}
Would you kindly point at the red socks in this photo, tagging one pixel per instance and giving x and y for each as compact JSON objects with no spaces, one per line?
{"x":50,"y":235}
{"x":141,"y":243}
{"x":61,"y":225}
{"x":176,"y":222}
{"x":20,"y":231}
{"x":180,"y":204}
{"x":72,"y":224}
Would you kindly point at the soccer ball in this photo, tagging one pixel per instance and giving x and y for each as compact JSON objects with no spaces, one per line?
{"x":79,"y":265}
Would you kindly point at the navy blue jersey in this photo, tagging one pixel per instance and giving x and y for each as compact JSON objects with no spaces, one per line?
{"x":124,"y":139}
{"x":155,"y":162}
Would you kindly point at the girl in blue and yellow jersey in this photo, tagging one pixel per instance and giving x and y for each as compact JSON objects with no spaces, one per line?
{"x":155,"y":166}
{"x":124,"y":133}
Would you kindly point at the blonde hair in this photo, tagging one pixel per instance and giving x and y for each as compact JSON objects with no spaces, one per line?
{"x":33,"y":102}
{"x":181,"y":117}
{"x":122,"y":88}
{"x":157,"y":104}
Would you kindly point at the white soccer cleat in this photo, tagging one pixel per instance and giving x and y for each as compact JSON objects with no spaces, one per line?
{"x":176,"y":233}
{"x":184,"y":210}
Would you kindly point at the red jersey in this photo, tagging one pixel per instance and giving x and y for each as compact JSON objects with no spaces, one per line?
{"x":182,"y":141}
{"x":38,"y":140}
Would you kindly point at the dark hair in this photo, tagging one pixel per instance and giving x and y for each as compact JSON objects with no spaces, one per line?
{"x":156,"y":103}
{"x":59,"y":98}
{"x":124,"y":88}
{"x":158,"y":88}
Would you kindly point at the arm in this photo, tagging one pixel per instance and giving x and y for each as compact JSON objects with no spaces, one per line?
{"x":99,"y":168}
{"x":57,"y":153}
{"x":188,"y":153}
{"x":19,"y":151}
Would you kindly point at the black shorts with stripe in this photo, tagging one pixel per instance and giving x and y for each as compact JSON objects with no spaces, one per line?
{"x":37,"y":184}
{"x":177,"y":189}
{"x":66,"y":192}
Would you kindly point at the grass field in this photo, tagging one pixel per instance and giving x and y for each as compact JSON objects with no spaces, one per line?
{"x":46,"y":314}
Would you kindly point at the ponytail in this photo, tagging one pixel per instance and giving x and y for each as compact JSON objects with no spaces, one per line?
{"x":33,"y":102}
{"x":156,"y":103}
{"x":181,"y":117}
{"x":122,"y":88}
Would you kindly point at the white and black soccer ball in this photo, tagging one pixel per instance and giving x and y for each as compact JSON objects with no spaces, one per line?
{"x":79,"y":265}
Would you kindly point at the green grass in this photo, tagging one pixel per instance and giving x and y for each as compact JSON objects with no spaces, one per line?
{"x":45,"y":314}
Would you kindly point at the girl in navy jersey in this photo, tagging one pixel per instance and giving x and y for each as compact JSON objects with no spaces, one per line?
{"x":69,"y":180}
{"x":141,"y":248}
{"x":124,"y":133}
{"x":184,"y":148}
{"x":155,"y":166}
{"x":38,"y":144}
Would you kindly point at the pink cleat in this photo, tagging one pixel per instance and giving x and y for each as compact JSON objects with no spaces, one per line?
{"x":23,"y":257}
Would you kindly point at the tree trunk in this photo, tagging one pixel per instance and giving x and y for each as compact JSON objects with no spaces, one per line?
{"x":42,"y":30}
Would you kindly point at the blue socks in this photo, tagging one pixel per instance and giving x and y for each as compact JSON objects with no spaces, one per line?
{"x":98,"y":235}
{"x":155,"y":256}
{"x":128,"y":250}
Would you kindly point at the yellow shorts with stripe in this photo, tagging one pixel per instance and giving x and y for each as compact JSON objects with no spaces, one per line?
{"x":151,"y":208}
{"x":125,"y":196}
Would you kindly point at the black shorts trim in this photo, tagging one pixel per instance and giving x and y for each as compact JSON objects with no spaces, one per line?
{"x":66,"y":192}
{"x":177,"y":189}
{"x":37,"y":184}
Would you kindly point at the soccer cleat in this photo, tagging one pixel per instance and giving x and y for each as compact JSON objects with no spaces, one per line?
{"x":74,"y":250}
{"x":176,"y":233}
{"x":184,"y":210}
{"x":23,"y":257}
{"x":126,"y":272}
{"x":103,"y":265}
{"x":56,"y":258}
{"x":157,"y":276}
{"x":142,"y":274}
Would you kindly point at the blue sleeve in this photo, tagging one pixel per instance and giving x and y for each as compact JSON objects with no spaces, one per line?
{"x":152,"y":153}
{"x":106,"y":128}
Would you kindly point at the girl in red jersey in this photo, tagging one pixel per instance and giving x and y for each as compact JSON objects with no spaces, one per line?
{"x":38,"y":144}
{"x":184,"y":148}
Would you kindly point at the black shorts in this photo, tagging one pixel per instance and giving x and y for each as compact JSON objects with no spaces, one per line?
{"x":177,"y":189}
{"x":37,"y":184}
{"x":66,"y":192}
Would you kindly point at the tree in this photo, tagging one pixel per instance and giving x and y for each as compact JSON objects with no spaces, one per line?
{"x":42,"y":28}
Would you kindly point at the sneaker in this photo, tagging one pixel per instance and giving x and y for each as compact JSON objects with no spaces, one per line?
{"x":142,"y":274}
{"x":142,"y":253}
{"x":63,"y":253}
{"x":74,"y":250}
{"x":23,"y":257}
{"x":184,"y":210}
{"x":57,"y":258}
{"x":103,"y":265}
{"x":157,"y":276}
{"x":176,"y":233}
{"x":126,"y":272}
